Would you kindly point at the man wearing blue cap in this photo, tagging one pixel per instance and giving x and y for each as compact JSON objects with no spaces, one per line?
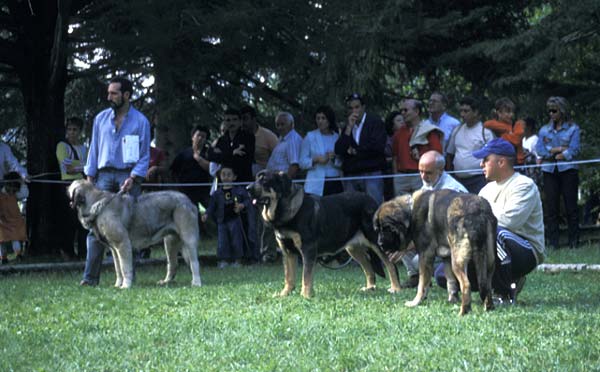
{"x":516,"y":203}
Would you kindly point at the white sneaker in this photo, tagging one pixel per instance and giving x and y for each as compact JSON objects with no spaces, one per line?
{"x":222,"y":264}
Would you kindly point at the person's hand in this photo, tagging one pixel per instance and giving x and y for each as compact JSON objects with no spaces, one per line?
{"x":351,"y":151}
{"x":238,"y":207}
{"x":127,"y":184}
{"x":204,"y":217}
{"x":320,"y":160}
{"x":559,"y":156}
{"x":414,"y":153}
{"x":240,"y":151}
{"x":352,"y":120}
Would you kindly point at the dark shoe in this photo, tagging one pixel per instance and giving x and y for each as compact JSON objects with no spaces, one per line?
{"x":411,"y":282}
{"x":85,"y":283}
{"x":516,"y":288}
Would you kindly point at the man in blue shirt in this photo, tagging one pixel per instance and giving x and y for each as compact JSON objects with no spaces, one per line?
{"x":118,"y":158}
{"x":438,"y":116}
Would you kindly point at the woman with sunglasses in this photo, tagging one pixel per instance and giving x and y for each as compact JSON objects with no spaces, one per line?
{"x":558,"y":145}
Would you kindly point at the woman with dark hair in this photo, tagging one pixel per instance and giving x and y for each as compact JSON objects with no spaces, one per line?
{"x":557,"y":146}
{"x":393,"y":121}
{"x":317,"y":155}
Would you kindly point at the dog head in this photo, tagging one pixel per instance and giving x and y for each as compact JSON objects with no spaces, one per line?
{"x":391,"y":222}
{"x":276,"y":197}
{"x":269,"y":187}
{"x":77,"y":193}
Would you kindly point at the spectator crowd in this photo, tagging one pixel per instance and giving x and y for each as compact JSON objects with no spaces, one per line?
{"x":418,"y":147}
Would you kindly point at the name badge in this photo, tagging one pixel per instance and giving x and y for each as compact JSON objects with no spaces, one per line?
{"x":131,"y":148}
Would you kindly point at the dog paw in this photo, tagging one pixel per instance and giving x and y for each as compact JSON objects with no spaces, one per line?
{"x":393,"y":290}
{"x":464,"y":310}
{"x":284,"y":293}
{"x":368,"y":288}
{"x":163,"y":282}
{"x":118,"y":284}
{"x":412,"y":303}
{"x":307,"y":294}
{"x":126,"y":284}
{"x":197,"y":283}
{"x":453,"y":298}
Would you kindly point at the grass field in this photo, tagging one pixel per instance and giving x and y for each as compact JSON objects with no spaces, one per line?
{"x":233,"y":323}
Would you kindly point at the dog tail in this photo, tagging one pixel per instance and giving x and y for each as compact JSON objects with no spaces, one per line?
{"x":376,"y":263}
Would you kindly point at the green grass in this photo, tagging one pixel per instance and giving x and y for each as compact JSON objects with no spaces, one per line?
{"x":233,"y":323}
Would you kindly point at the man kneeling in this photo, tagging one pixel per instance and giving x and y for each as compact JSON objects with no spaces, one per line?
{"x":517,"y":205}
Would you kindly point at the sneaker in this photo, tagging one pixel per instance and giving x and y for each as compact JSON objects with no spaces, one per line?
{"x":411,"y":282}
{"x":85,"y":283}
{"x":222,"y":264}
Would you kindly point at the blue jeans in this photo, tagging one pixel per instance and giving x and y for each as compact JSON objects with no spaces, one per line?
{"x":107,"y":180}
{"x":372,"y":186}
{"x":231,"y":241}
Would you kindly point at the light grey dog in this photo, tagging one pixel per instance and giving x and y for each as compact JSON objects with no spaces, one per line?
{"x":125,"y":224}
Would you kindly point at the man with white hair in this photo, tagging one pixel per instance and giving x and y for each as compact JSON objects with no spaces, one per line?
{"x":285,"y":156}
{"x":431,"y":170}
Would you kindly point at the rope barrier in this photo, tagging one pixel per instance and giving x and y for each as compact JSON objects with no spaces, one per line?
{"x":38,"y":177}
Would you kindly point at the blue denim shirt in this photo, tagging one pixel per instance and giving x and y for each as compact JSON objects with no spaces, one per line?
{"x":567,"y":136}
{"x":106,"y":144}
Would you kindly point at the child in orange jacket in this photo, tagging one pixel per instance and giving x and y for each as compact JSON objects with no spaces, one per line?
{"x":503,"y":126}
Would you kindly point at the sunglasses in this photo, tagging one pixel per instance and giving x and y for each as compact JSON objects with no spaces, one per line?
{"x":552,"y":111}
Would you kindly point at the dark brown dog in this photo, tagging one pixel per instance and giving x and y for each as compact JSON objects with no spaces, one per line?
{"x":460,"y":228}
{"x":313,"y":227}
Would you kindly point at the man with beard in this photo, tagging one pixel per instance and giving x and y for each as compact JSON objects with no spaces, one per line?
{"x":118,"y":159}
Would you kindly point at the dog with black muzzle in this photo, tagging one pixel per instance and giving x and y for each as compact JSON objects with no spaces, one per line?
{"x":460,"y":228}
{"x":125,"y":224}
{"x":312,"y":227}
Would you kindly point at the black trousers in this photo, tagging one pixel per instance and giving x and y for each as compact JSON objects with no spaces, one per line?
{"x":556,"y":185}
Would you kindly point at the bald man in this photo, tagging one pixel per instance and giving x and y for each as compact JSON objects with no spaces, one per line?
{"x":431,"y":170}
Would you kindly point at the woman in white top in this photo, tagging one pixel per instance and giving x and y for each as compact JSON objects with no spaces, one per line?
{"x":317,"y":155}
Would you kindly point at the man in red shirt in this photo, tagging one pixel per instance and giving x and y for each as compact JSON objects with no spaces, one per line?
{"x":409,"y":143}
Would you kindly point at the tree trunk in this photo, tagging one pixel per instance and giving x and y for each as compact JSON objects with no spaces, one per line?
{"x":43,"y":77}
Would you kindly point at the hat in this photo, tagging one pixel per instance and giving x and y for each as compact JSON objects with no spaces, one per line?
{"x":353,"y":97}
{"x":498,"y":146}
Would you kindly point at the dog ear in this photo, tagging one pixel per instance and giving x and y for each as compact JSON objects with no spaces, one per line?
{"x":282,"y":184}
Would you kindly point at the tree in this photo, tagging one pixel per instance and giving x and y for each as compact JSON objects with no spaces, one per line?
{"x":33,"y":51}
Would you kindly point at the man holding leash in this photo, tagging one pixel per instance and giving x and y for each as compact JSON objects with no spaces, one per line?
{"x":118,"y":159}
{"x":431,"y":170}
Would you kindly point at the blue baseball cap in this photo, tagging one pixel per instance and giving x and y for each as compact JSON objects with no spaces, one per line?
{"x":498,"y":146}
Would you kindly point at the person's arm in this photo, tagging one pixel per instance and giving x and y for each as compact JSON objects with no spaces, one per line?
{"x":62,"y":158}
{"x":91,"y":166}
{"x":516,"y":135}
{"x":307,"y":160}
{"x":572,"y":150}
{"x":293,"y":156}
{"x":12,"y":164}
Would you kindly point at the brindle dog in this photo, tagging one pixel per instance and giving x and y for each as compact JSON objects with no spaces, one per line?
{"x":459,"y":228}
